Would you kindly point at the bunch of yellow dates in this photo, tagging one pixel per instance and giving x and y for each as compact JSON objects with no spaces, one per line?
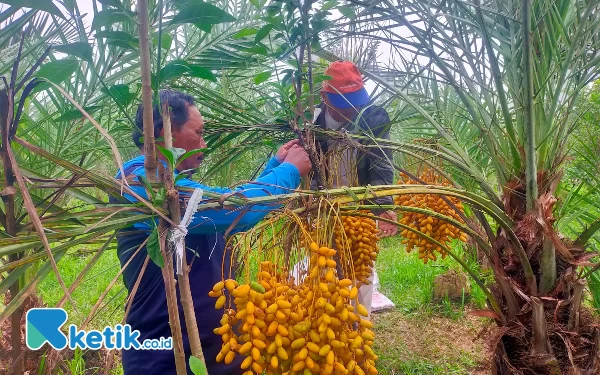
{"x":439,"y":230}
{"x":361,"y":238}
{"x":284,"y":327}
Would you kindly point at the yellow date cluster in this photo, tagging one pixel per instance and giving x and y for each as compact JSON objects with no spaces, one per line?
{"x":439,"y":230}
{"x":362,"y":240}
{"x":281,"y":327}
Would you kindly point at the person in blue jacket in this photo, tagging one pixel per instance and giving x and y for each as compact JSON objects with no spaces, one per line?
{"x":205,"y":245}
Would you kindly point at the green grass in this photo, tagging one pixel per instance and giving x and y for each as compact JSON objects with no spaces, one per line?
{"x":409,"y":283}
{"x":420,"y":335}
{"x":423,"y":367}
{"x":427,"y":345}
{"x":89,"y":291}
{"x":85,"y":296}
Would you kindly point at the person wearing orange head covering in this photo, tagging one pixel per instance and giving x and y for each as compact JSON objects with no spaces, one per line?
{"x":347,"y":107}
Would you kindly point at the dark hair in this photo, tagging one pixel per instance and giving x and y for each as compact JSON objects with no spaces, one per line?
{"x":178,"y":102}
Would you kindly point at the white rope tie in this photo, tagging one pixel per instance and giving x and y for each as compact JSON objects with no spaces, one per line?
{"x":178,"y":233}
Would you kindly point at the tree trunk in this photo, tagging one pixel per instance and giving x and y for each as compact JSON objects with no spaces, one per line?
{"x":596,"y":366}
{"x":548,"y":266}
{"x":541,"y":344}
{"x":16,"y":338}
{"x":541,"y":349}
{"x":574,"y":311}
{"x":499,"y":366}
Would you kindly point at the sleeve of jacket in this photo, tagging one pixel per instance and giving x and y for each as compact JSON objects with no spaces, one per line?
{"x":282,"y":179}
{"x":272,"y":163}
{"x":379,"y":160}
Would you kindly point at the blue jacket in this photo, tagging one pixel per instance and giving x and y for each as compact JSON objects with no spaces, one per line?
{"x":207,"y":256}
{"x":275,"y":179}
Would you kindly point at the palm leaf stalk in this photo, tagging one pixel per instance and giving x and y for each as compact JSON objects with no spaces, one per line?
{"x":172,"y":202}
{"x":529,"y":115}
{"x":150,"y":166}
{"x":298,"y":83}
{"x":9,"y":220}
{"x":150,"y":163}
{"x":349,"y":201}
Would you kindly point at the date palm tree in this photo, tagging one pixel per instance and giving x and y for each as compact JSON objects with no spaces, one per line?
{"x":511,"y":74}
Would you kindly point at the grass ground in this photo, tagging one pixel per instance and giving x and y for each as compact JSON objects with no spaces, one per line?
{"x":419,"y":336}
{"x":428,"y":344}
{"x":89,"y":291}
{"x":422,"y":335}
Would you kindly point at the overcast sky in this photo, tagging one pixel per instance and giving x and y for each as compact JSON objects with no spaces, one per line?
{"x":85,"y":6}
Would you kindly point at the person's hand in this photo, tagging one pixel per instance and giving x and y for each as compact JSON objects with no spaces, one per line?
{"x":387,"y":229}
{"x":283,"y":150}
{"x":299,"y":157}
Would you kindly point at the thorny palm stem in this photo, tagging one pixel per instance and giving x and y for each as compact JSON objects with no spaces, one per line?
{"x":149,"y":142}
{"x":150,"y":165}
{"x":175,"y":214}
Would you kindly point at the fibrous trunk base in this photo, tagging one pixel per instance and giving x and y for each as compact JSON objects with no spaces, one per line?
{"x":566,"y":352}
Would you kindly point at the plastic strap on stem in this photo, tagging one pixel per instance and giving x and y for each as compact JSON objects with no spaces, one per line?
{"x":178,"y":233}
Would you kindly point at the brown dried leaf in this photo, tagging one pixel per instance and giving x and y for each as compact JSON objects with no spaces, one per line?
{"x":9,"y":190}
{"x":485,"y":314}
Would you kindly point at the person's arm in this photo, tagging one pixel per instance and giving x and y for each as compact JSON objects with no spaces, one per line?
{"x":282,"y":179}
{"x":272,"y":163}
